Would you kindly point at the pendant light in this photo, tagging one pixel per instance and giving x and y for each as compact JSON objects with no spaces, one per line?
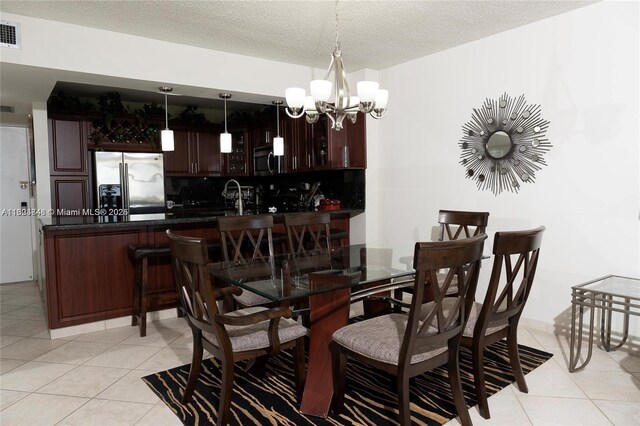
{"x":278,"y":142}
{"x":166,"y":136}
{"x":225,"y":138}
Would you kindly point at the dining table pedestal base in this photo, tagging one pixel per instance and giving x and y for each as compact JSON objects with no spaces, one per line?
{"x":328,"y":312}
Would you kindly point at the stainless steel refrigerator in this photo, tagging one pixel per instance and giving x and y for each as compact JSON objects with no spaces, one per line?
{"x":130,"y":182}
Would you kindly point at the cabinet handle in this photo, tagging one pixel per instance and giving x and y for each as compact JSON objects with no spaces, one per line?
{"x":308,"y":160}
{"x":268,"y":163}
{"x":197,"y":167}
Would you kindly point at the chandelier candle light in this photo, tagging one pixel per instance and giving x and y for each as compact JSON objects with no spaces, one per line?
{"x":166,"y":135}
{"x":371,"y":99}
{"x":278,"y":141}
{"x":225,"y":138}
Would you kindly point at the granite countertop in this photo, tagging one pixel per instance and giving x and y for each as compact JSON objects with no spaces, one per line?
{"x":175,"y":216}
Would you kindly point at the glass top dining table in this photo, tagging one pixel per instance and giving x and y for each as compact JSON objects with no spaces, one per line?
{"x":325,"y":278}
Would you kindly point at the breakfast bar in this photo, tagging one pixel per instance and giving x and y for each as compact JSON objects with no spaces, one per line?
{"x":89,"y":275}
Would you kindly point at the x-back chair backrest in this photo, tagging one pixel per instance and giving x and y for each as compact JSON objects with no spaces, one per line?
{"x":245,"y":236}
{"x":462,"y":260}
{"x":515,"y":253}
{"x":461,"y":224}
{"x":307,"y":231}
{"x":190,"y":257}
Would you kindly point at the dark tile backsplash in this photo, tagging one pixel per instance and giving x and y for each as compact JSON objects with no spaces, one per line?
{"x":281,"y":191}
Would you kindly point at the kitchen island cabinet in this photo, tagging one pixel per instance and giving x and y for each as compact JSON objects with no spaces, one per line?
{"x":89,"y":276}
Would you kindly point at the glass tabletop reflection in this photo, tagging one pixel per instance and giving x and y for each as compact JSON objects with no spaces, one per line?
{"x":286,"y":276}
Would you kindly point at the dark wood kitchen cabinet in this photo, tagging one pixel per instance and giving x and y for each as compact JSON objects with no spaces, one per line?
{"x":67,"y":147}
{"x":89,"y":274}
{"x":70,"y":193}
{"x":237,"y":162}
{"x":197,"y":153}
{"x":352,"y":139}
{"x":69,"y":164}
{"x":297,"y":155}
{"x":325,"y":148}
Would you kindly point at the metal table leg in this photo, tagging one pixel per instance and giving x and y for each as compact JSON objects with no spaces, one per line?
{"x":574,"y":356}
{"x":605,"y":324}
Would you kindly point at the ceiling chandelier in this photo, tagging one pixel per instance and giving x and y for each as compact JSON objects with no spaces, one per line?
{"x":371,"y":99}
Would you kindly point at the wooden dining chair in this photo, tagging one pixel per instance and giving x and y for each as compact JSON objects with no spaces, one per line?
{"x":453,"y":225}
{"x":241,"y":335}
{"x":244,"y":239}
{"x":429,"y":336}
{"x":516,"y":254}
{"x":307,"y":231}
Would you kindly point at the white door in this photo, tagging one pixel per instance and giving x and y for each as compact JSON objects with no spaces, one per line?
{"x":16,"y":252}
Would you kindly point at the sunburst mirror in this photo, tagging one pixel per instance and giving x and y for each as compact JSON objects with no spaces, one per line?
{"x":504,"y":144}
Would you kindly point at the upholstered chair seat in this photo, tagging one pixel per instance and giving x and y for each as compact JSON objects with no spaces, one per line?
{"x":380,"y":338}
{"x":492,"y":327}
{"x":255,"y":336}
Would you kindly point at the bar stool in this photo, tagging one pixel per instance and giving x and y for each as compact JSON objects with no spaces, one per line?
{"x":140,"y":255}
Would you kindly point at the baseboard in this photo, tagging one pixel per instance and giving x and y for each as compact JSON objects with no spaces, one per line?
{"x":61,"y":333}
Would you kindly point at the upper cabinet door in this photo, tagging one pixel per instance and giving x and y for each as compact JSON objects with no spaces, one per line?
{"x":178,"y":162}
{"x":196,"y":153}
{"x":348,"y":147}
{"x":206,"y":146}
{"x":68,"y":147}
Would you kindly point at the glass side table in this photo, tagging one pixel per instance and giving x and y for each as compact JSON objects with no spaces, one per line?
{"x":609,"y":294}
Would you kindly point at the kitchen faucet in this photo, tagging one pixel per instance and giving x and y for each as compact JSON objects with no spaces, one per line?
{"x":224,"y":193}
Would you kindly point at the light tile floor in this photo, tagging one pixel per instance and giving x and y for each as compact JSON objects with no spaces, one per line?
{"x":94,"y":378}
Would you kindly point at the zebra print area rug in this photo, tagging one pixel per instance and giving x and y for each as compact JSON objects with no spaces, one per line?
{"x":370,"y":397}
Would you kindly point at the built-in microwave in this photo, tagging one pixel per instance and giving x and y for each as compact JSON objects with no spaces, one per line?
{"x":265,"y":163}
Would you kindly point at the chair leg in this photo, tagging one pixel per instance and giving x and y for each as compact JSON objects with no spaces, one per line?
{"x":456,"y":387}
{"x":136,"y":293}
{"x":225,"y":393}
{"x":339,"y":372}
{"x":299,"y":367}
{"x":143,"y":297}
{"x":403,"y":398}
{"x":514,"y":357}
{"x":194,"y":371}
{"x":478,"y":377}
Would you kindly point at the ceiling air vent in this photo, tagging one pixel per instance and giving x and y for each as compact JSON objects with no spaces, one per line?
{"x":6,"y":108}
{"x":10,"y":34}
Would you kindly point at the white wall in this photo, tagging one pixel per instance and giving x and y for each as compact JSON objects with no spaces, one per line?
{"x":582,"y":67}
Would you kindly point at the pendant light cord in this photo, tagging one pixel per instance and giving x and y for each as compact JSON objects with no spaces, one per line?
{"x":225,"y":116}
{"x":166,"y":112}
{"x":278,"y":120}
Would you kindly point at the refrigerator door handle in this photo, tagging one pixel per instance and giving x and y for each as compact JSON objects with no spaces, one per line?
{"x":123,"y":192}
{"x":125,"y":184}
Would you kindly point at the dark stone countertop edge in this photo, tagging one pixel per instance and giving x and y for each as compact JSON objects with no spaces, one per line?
{"x":277,"y":217}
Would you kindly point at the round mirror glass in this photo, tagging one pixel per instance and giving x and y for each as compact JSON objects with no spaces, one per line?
{"x":499,"y":144}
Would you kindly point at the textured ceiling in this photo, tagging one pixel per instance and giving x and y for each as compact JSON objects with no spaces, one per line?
{"x":373,"y":34}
